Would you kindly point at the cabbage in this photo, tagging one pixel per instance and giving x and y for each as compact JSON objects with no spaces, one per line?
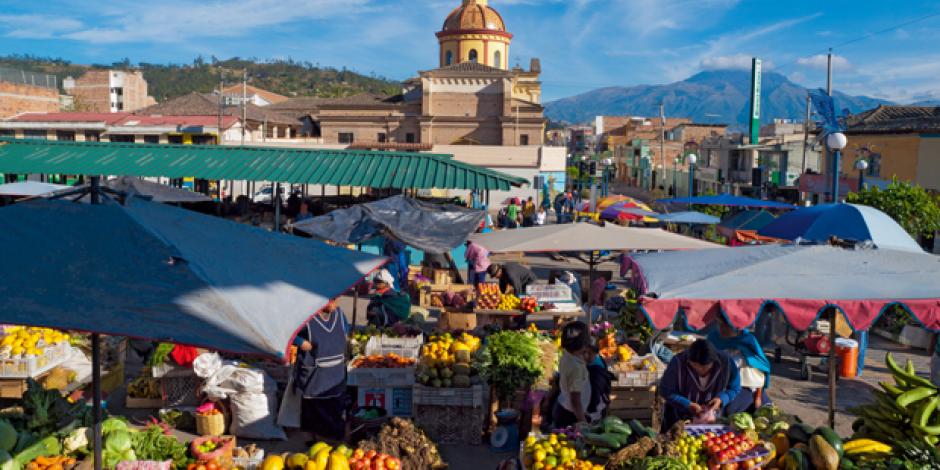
{"x":780,"y":426}
{"x":113,"y":424}
{"x":8,"y":436}
{"x":742,"y":421}
{"x":770,"y":412}
{"x":118,"y":442}
{"x":77,"y":439}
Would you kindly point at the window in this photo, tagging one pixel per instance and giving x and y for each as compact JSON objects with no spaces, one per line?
{"x":92,"y":136}
{"x":35,"y":134}
{"x":121,"y":138}
{"x":7,"y":133}
{"x":381,"y":138}
{"x":65,"y":135}
{"x":268,"y":132}
{"x":410,"y":138}
{"x":204,"y":139}
{"x":473,"y":55}
{"x":281,"y":132}
{"x":524,"y":139}
{"x":498,"y":59}
{"x":174,"y":139}
{"x":346,"y":137}
{"x":448,"y":58}
{"x":151,"y":139}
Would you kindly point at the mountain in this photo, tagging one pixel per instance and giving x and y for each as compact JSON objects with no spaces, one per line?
{"x":167,"y":81}
{"x":717,"y":96}
{"x":927,"y":103}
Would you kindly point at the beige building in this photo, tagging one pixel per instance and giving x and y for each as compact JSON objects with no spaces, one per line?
{"x":236,"y":94}
{"x":108,"y":91}
{"x":27,"y":92}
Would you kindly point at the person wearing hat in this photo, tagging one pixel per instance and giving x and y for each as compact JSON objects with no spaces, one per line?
{"x":513,"y":277}
{"x":698,"y":385}
{"x":574,"y":381}
{"x":387,"y":306}
{"x":320,"y":372}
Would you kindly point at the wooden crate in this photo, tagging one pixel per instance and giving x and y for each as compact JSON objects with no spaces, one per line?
{"x":453,"y":321}
{"x":13,"y":388}
{"x":438,"y":276}
{"x":639,"y":403}
{"x":143,"y":403}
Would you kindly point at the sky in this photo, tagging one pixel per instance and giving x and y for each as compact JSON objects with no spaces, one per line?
{"x":883,"y":48}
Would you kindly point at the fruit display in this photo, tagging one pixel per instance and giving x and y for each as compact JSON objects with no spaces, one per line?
{"x":359,"y":337}
{"x":386,"y":361}
{"x":447,"y":361}
{"x":529,"y":305}
{"x":59,"y":378}
{"x":508,"y":302}
{"x":401,"y":439}
{"x":144,"y":387}
{"x":725,"y":447}
{"x":58,"y":462}
{"x":612,"y":434}
{"x":488,"y":296}
{"x":22,"y":342}
{"x":553,"y":451}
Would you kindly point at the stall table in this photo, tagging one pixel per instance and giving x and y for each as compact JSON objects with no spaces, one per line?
{"x":639,"y":403}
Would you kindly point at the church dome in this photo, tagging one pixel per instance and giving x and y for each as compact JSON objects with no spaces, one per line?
{"x":473,"y":15}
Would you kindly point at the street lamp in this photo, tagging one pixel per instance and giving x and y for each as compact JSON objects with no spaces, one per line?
{"x":692,"y":159}
{"x":836,"y":142}
{"x":675,"y":170}
{"x":607,"y":163}
{"x":861,"y":166}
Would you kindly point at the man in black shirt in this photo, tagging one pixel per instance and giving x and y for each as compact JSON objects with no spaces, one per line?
{"x":512,"y":275}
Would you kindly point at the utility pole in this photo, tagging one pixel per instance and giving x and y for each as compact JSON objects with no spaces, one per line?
{"x":805,"y":134}
{"x":221,"y":98}
{"x":244,"y":103}
{"x":662,"y":141}
{"x":828,"y":159}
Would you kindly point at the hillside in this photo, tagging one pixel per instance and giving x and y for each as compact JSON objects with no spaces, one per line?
{"x":168,"y":81}
{"x":720,"y":96}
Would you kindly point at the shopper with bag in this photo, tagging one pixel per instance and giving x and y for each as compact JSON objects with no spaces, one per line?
{"x":320,"y":373}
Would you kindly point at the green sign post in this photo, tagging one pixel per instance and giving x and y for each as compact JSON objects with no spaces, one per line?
{"x":755,"y":100}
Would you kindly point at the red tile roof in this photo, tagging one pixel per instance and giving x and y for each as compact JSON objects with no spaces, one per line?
{"x":107,"y":118}
{"x":160,"y":120}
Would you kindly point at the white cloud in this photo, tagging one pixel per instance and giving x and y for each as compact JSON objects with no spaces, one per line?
{"x":820,"y":62}
{"x":733,"y":62}
{"x":36,"y":26}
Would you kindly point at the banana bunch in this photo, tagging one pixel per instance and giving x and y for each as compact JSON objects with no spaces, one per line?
{"x":509,"y":302}
{"x":907,"y":407}
{"x":144,"y":387}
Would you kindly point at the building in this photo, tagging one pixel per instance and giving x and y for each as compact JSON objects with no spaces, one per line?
{"x":108,"y":91}
{"x":27,"y":92}
{"x":895,"y":141}
{"x":236,"y":94}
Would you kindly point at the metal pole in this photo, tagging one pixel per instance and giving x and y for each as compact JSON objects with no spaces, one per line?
{"x":590,"y":288}
{"x":675,"y":189}
{"x":805,"y":135}
{"x":836,"y":156}
{"x":861,"y":180}
{"x":829,"y":73}
{"x":832,"y":367}
{"x":829,"y":155}
{"x":662,"y":139}
{"x":96,"y":392}
{"x":277,"y":207}
{"x":244,"y":103}
{"x":221,"y":98}
{"x":691,"y":181}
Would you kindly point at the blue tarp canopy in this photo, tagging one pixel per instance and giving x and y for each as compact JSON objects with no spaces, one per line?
{"x":727,"y":200}
{"x":745,"y":220}
{"x":688,"y":217}
{"x":153,"y":271}
{"x":845,"y":221}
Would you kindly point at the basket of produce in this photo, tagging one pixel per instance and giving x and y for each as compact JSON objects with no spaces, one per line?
{"x":213,"y":448}
{"x":552,"y":451}
{"x":210,"y":421}
{"x":249,"y":457}
{"x":447,"y":362}
{"x":389,"y":370}
{"x":408,"y":446}
{"x":144,"y":392}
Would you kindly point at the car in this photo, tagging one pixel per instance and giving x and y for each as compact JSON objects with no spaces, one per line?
{"x":264,"y":195}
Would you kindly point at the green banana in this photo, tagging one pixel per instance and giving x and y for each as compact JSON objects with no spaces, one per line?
{"x":929,"y":430}
{"x":910,"y":367}
{"x":887,"y":402}
{"x":913,"y":379}
{"x":884,"y":428}
{"x":891,"y":389}
{"x":923,"y":413}
{"x":915,"y":395}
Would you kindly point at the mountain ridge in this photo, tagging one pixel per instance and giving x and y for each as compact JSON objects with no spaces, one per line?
{"x":711,"y":97}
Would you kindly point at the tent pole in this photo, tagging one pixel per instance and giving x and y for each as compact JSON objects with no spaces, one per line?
{"x":590,"y":287}
{"x":832,"y":367}
{"x":277,"y":207}
{"x":356,"y":295}
{"x":96,"y":391}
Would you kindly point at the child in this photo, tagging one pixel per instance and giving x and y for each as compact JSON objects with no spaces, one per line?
{"x":600,"y":379}
{"x":573,"y":378}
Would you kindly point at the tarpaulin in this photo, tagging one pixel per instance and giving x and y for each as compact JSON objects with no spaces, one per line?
{"x":800,"y":281}
{"x":429,"y":227}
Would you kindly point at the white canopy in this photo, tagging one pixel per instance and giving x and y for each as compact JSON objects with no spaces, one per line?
{"x":29,"y":188}
{"x":584,"y":237}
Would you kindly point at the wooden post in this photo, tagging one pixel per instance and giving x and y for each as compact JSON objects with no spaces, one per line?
{"x":832,"y":366}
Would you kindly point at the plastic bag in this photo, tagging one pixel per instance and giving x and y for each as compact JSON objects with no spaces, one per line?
{"x":145,"y":465}
{"x":253,"y":416}
{"x":288,"y":414}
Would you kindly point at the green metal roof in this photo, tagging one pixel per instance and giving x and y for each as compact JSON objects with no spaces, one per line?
{"x":285,"y":165}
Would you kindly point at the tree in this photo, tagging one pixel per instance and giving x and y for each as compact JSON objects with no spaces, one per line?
{"x":910,"y":205}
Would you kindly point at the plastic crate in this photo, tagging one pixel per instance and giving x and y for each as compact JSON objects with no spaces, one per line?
{"x":451,"y":424}
{"x":405,"y":347}
{"x":640,"y":378}
{"x":365,"y":377}
{"x":551,"y":293}
{"x":474,"y":396}
{"x":34,"y":366}
{"x":180,"y":391}
{"x":249,"y":463}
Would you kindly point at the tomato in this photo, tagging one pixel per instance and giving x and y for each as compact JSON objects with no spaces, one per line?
{"x":212,"y":465}
{"x":370,"y":454}
{"x":200,"y":467}
{"x":392,"y":464}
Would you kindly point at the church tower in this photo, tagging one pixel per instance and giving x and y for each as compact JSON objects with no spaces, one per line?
{"x":474,"y":32}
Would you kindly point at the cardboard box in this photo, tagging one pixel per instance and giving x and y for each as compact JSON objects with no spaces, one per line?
{"x":457,"y":321}
{"x":397,"y":401}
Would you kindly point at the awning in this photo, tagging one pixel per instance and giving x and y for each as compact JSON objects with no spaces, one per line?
{"x":584,"y":237}
{"x":688,"y":217}
{"x":727,"y":200}
{"x":845,"y":221}
{"x":749,"y":220}
{"x":435,"y":228}
{"x":801,"y":281}
{"x":153,"y":271}
{"x":29,"y":188}
{"x":399,"y":170}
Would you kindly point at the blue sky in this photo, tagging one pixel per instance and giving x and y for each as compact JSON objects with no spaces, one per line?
{"x":583,"y":44}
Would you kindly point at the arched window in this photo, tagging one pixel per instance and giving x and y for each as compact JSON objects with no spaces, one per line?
{"x":473,"y":55}
{"x":498,"y":59}
{"x":449,"y":58}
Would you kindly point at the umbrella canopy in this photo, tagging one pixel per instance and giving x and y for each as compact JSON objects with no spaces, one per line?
{"x":155,"y":191}
{"x":29,"y":188}
{"x":159,"y":272}
{"x":802,"y":281}
{"x":845,"y":221}
{"x":749,"y":220}
{"x":434,"y":228}
{"x":727,"y":200}
{"x":688,"y":217}
{"x":583,"y":237}
{"x":628,"y":211}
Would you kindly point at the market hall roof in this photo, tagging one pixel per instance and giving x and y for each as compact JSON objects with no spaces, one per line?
{"x":400,"y":170}
{"x":895,"y":119}
{"x":204,"y":104}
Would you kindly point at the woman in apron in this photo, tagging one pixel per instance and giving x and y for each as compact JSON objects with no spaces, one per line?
{"x":698,"y":385}
{"x":320,"y":373}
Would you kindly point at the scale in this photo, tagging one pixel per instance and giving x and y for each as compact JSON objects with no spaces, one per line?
{"x":505,"y":437}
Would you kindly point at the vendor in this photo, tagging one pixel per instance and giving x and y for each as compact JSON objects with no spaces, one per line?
{"x":387,"y":306}
{"x":574,"y":381}
{"x":478,"y":261}
{"x":753,"y":366}
{"x":698,"y":384}
{"x":320,"y":372}
{"x":513,"y":277}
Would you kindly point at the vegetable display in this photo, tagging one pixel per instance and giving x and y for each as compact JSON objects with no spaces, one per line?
{"x":153,"y":444}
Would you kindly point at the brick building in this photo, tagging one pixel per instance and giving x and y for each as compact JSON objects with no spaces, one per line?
{"x":108,"y":91}
{"x":26,"y":92}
